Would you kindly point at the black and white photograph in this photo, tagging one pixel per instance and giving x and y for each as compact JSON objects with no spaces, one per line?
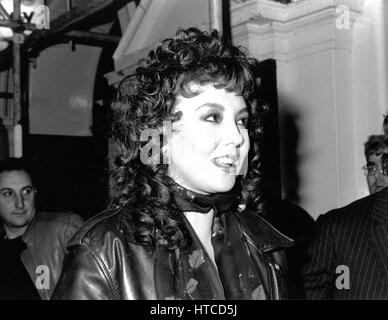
{"x":193,"y":150}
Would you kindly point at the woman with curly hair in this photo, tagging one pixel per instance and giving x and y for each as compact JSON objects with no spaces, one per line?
{"x":185,"y":218}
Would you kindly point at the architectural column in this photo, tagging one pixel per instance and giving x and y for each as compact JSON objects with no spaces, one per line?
{"x":6,"y":115}
{"x":311,"y":41}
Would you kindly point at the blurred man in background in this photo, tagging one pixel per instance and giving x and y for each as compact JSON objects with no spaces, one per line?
{"x":348,"y":258}
{"x":374,"y":148}
{"x":32,"y":243}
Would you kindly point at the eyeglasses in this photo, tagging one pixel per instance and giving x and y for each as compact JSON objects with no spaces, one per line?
{"x":372,"y":170}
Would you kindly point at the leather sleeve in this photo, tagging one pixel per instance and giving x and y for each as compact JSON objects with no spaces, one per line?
{"x":319,"y":272}
{"x":84,"y":277}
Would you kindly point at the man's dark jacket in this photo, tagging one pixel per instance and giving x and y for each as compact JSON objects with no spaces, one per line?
{"x":349,"y":256}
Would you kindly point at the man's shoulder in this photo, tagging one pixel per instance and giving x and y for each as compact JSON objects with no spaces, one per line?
{"x":355,"y":210}
{"x":58,"y":218}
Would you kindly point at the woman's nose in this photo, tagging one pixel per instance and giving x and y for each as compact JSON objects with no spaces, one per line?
{"x":233,"y":135}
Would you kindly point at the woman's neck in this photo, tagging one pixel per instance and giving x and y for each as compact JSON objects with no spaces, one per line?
{"x":202,"y":226}
{"x":181,"y":183}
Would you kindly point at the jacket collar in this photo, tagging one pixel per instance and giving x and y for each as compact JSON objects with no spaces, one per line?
{"x":257,"y":229}
{"x":262,"y":233}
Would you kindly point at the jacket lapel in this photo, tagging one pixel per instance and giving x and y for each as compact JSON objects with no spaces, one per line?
{"x":189,"y":274}
{"x":186,"y":273}
{"x":262,"y":233}
{"x":379,"y":228}
{"x":164,"y":273}
{"x":237,"y":267}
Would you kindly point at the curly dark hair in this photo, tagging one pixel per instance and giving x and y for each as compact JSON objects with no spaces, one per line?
{"x":146,"y":99}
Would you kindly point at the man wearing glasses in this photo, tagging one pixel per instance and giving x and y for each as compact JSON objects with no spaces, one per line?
{"x":375,"y":147}
{"x":349,"y":253}
{"x":32,"y":243}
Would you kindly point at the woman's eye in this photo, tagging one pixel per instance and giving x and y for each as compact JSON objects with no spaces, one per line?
{"x":213,"y":118}
{"x":243,"y":122}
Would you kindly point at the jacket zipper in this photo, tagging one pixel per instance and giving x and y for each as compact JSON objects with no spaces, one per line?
{"x":170,"y":263}
{"x":275,"y":285}
{"x":272,"y":275}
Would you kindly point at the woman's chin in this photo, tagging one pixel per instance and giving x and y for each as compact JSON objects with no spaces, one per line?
{"x":223,"y":185}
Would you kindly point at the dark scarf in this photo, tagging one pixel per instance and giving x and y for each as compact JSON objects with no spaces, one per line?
{"x":188,"y":273}
{"x":188,"y":200}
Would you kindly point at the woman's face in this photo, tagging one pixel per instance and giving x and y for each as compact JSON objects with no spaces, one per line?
{"x":209,"y":144}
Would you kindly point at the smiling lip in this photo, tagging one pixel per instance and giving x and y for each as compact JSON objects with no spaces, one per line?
{"x":227,"y":162}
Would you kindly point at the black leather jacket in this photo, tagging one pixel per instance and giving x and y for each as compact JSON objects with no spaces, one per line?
{"x":105,"y":262}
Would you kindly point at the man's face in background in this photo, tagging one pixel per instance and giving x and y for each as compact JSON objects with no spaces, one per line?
{"x":375,"y":178}
{"x":17,"y":201}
